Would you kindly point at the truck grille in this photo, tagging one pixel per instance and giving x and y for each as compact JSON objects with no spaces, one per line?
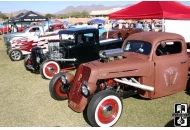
{"x":33,"y":55}
{"x":82,"y":75}
{"x":35,"y":52}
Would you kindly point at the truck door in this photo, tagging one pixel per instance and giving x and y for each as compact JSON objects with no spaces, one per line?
{"x":171,"y":67}
{"x":33,"y":31}
{"x":86,"y":47}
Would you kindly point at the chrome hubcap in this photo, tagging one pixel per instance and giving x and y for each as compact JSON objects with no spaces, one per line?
{"x":107,"y":110}
{"x":50,"y":69}
{"x":15,"y":55}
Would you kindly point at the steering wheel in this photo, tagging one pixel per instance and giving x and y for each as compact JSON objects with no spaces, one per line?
{"x":159,"y":52}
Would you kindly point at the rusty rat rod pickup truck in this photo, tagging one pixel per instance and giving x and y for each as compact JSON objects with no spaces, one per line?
{"x":150,"y":64}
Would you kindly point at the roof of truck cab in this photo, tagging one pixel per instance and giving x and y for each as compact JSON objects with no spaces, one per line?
{"x":155,"y":37}
{"x":75,"y":30}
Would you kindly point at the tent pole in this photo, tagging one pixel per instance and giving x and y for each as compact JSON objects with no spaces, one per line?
{"x":8,"y":26}
{"x":163,"y":25}
{"x":48,"y":24}
{"x":108,"y":28}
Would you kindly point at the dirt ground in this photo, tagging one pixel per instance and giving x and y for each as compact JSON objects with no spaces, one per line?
{"x":25,"y":101}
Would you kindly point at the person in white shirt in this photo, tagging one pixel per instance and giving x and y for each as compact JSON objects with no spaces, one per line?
{"x":14,"y":28}
{"x":153,"y":26}
{"x":139,"y":25}
{"x":127,"y":25}
{"x":146,"y":26}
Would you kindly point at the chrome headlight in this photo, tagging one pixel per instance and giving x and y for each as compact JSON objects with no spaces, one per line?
{"x":85,"y":89}
{"x":64,"y":79}
{"x":38,"y":59}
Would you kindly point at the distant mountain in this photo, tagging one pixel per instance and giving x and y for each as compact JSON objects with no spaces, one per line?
{"x":87,"y":8}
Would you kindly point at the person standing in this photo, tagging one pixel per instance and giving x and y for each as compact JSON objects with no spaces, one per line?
{"x":153,"y":26}
{"x":146,"y":27}
{"x":139,"y":25}
{"x":14,"y":28}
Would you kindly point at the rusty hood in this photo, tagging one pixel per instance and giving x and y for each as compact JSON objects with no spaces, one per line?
{"x":131,"y":65}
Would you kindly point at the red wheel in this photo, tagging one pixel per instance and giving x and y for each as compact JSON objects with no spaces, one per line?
{"x":102,"y":114}
{"x":104,"y":109}
{"x":27,"y":61}
{"x":49,"y":69}
{"x":57,"y":89}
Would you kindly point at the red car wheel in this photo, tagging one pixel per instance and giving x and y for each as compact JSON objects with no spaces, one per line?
{"x":57,"y":89}
{"x":104,"y":109}
{"x":27,"y":61}
{"x":50,"y":68}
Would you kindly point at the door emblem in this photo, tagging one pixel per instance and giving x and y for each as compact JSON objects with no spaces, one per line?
{"x":170,"y":76}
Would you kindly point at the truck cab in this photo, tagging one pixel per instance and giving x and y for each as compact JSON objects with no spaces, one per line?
{"x":33,"y":32}
{"x":150,"y":64}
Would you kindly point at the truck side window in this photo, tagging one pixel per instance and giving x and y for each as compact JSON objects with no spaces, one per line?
{"x":86,"y":38}
{"x":168,"y":48}
{"x":34,"y":29}
{"x":138,"y":47}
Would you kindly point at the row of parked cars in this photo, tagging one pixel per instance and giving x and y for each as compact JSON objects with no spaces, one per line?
{"x":109,"y":66}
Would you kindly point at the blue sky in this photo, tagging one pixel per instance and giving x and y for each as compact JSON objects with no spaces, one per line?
{"x":55,"y":6}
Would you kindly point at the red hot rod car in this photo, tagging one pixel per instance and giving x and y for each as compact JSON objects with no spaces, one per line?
{"x":150,"y":64}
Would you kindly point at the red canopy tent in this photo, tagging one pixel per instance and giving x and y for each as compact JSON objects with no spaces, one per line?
{"x":154,"y":10}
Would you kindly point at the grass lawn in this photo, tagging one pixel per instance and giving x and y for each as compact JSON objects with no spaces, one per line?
{"x":25,"y":101}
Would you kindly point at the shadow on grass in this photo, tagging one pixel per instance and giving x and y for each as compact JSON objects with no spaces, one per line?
{"x":85,"y":116}
{"x":171,"y":123}
{"x":188,"y":93}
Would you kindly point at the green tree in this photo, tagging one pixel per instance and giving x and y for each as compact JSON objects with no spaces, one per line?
{"x":85,"y":14}
{"x":3,"y":16}
{"x":50,"y":16}
{"x":74,"y":14}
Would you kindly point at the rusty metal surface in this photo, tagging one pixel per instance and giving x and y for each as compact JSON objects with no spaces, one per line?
{"x":167,"y":74}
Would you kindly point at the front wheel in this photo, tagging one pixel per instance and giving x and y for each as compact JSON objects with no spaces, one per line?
{"x":27,"y":61}
{"x":15,"y":55}
{"x":58,"y":90}
{"x":8,"y":50}
{"x":48,"y":69}
{"x":104,"y":109}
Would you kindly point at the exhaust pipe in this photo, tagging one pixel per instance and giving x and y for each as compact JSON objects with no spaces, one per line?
{"x":137,"y":85}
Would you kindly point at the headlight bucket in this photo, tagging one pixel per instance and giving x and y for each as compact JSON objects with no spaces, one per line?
{"x":85,"y":90}
{"x":64,"y":79}
{"x":38,"y":60}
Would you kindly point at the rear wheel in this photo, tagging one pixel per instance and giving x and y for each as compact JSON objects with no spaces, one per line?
{"x":15,"y":55}
{"x":48,"y":69}
{"x":1,"y":32}
{"x":57,"y":89}
{"x":104,"y":109}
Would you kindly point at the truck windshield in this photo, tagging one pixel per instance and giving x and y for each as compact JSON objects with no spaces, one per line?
{"x":141,"y":47}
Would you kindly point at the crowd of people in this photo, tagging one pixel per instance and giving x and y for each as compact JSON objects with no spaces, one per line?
{"x":13,"y":28}
{"x":146,"y":26}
